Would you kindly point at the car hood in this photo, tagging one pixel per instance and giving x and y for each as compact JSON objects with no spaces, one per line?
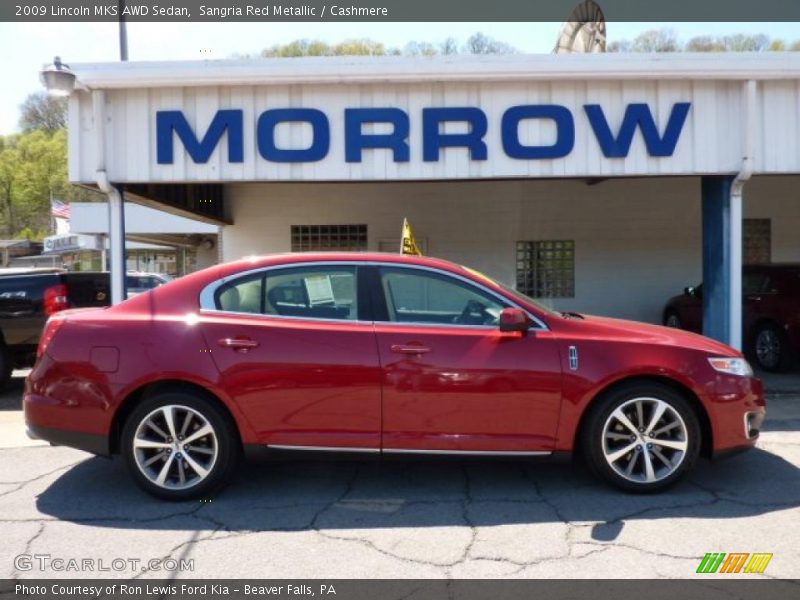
{"x":634,"y":331}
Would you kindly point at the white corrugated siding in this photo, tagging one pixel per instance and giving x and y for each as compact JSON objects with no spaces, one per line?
{"x":711,"y":140}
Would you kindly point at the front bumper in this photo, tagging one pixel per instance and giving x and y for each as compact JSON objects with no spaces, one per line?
{"x":739,"y":410}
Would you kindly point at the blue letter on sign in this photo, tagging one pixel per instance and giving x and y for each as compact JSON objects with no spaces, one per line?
{"x":355,"y":140}
{"x":169,"y":121}
{"x":637,"y":115}
{"x":433,"y":139}
{"x":321,"y":133}
{"x":565,"y":131}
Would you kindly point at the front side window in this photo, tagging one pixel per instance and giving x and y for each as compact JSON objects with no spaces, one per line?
{"x":326,"y":292}
{"x":415,"y":296}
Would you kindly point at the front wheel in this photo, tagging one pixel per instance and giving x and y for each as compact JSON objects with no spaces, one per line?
{"x":180,"y":446}
{"x":641,"y":438}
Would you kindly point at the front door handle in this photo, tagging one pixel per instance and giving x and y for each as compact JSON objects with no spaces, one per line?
{"x":240,"y":344}
{"x":410,"y":349}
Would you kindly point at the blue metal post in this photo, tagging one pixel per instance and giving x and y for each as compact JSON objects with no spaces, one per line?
{"x":716,"y":194}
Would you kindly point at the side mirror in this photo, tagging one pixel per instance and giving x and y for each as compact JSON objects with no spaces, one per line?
{"x":514,"y":319}
{"x":688,"y":291}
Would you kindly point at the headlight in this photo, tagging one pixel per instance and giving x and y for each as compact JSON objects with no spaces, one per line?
{"x":732,"y":366}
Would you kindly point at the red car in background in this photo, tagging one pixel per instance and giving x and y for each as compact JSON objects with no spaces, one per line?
{"x":379,"y":353}
{"x":770,"y":310}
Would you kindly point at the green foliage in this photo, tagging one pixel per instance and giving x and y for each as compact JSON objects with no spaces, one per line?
{"x":41,"y":111}
{"x":33,"y":168}
{"x":477,"y":43}
{"x":665,"y":40}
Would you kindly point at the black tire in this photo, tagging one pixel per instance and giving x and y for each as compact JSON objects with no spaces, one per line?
{"x":672,"y":319}
{"x":595,"y":446}
{"x":770,"y":348}
{"x":225,"y":441}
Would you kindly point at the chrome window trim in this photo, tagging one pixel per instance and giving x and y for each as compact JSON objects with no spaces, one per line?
{"x":208,"y":306}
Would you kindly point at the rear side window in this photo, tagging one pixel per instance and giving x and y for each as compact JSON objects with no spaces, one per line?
{"x":303,"y":292}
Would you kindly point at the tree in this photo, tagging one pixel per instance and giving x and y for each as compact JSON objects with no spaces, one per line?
{"x":480,"y":43}
{"x":777,"y":46}
{"x":44,"y":112}
{"x":655,"y":40}
{"x":359,"y":47}
{"x":704,"y":43}
{"x":664,"y":40}
{"x":448,"y":46}
{"x":420,"y":49}
{"x":741,"y":42}
{"x":33,"y":168}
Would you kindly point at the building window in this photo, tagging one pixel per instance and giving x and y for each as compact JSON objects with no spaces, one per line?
{"x":757,"y":234}
{"x":322,"y":238}
{"x":546,"y":269}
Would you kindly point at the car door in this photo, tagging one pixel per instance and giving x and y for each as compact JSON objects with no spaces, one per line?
{"x":296,"y":351}
{"x":452,"y":381}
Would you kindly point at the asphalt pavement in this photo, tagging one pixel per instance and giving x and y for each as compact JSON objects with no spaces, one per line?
{"x":423,"y":518}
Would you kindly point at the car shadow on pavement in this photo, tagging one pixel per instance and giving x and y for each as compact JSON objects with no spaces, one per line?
{"x":303,"y":494}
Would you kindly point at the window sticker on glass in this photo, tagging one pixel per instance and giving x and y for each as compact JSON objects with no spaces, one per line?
{"x":319,"y":290}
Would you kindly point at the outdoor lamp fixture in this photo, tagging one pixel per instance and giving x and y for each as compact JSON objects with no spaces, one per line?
{"x":59,"y":79}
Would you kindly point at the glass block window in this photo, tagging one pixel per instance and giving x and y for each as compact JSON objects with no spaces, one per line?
{"x":546,"y":269}
{"x":323,"y":238}
{"x":757,"y":234}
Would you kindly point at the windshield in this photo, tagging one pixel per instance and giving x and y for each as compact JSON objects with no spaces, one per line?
{"x":514,"y":293}
{"x":525,"y":298}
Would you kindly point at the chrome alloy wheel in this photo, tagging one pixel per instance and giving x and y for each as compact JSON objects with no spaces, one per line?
{"x":768,"y":348}
{"x":175,"y":447}
{"x":645,"y":440}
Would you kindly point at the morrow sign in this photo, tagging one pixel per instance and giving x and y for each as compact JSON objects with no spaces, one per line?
{"x":614,"y":142}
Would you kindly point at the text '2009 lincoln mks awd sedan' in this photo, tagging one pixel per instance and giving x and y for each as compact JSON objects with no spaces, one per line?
{"x":383,"y":354}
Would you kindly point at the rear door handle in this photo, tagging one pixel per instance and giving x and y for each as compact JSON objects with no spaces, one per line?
{"x":406,"y":349}
{"x":239,"y":344}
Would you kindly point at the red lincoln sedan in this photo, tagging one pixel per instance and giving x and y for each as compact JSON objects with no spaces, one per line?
{"x":378,"y":353}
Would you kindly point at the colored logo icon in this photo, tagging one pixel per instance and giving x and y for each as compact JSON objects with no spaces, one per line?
{"x":735,"y":562}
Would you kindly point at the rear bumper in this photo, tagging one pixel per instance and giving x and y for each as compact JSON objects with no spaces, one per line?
{"x":88,"y":442}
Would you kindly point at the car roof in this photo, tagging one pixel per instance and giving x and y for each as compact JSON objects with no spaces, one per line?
{"x":382,"y":257}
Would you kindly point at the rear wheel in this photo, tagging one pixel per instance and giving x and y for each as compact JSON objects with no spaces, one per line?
{"x":180,"y":446}
{"x":771,"y":348}
{"x":641,"y":438}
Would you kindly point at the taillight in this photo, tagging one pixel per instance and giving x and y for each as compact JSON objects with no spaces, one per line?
{"x":50,"y":329}
{"x":55,"y":299}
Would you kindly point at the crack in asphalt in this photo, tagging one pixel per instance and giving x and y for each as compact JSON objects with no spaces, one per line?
{"x":26,"y":482}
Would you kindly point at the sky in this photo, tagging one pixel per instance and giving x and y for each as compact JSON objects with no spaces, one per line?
{"x":26,"y":47}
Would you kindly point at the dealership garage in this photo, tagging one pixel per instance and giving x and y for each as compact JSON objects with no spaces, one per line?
{"x":619,"y":247}
{"x":596,"y":183}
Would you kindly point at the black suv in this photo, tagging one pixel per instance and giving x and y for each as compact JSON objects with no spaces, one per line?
{"x":28,"y":297}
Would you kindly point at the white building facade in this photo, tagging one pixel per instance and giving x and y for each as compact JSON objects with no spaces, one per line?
{"x":598,"y":183}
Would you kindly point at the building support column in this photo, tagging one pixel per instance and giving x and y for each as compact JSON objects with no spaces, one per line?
{"x":116,"y":236}
{"x":722,"y":260}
